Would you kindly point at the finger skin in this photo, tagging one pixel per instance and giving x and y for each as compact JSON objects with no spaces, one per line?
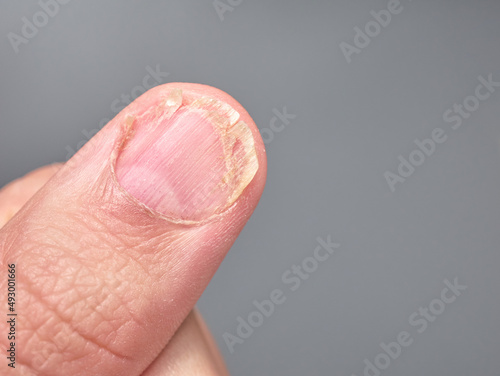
{"x":15,"y":194}
{"x":104,"y":281}
{"x":191,"y":352}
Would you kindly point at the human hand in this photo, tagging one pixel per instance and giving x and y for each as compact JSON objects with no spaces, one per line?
{"x":113,"y":249}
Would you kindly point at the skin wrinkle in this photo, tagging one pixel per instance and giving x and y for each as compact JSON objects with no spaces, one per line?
{"x":111,"y":325}
{"x":68,"y":320}
{"x":125,"y":252}
{"x":52,"y":358}
{"x":121,"y":290}
{"x":54,"y":313}
{"x":123,"y":259}
{"x":174,"y":256}
{"x":23,"y":368}
{"x":86,"y":294}
{"x":128,"y":236}
{"x":54,"y":237}
{"x":6,"y":243}
{"x":83,"y":295}
{"x":100,"y":234}
{"x":50,"y":348}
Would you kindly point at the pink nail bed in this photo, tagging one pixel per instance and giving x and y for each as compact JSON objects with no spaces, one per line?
{"x":187,"y":160}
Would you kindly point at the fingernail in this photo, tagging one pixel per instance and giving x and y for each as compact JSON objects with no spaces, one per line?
{"x":187,"y":159}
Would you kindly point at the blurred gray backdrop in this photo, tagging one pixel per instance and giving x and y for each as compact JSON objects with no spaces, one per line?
{"x":368,"y":87}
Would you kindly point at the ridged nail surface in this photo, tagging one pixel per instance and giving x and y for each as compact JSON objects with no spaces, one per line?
{"x":187,"y":158}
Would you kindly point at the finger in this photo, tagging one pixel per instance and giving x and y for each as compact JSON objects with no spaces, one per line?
{"x":113,"y":252}
{"x":191,"y":352}
{"x":15,"y":194}
{"x":192,"y":347}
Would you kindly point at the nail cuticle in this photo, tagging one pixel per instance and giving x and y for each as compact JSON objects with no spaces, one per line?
{"x":191,"y":164}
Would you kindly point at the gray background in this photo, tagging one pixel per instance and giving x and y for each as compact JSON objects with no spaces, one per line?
{"x":326,"y":168}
